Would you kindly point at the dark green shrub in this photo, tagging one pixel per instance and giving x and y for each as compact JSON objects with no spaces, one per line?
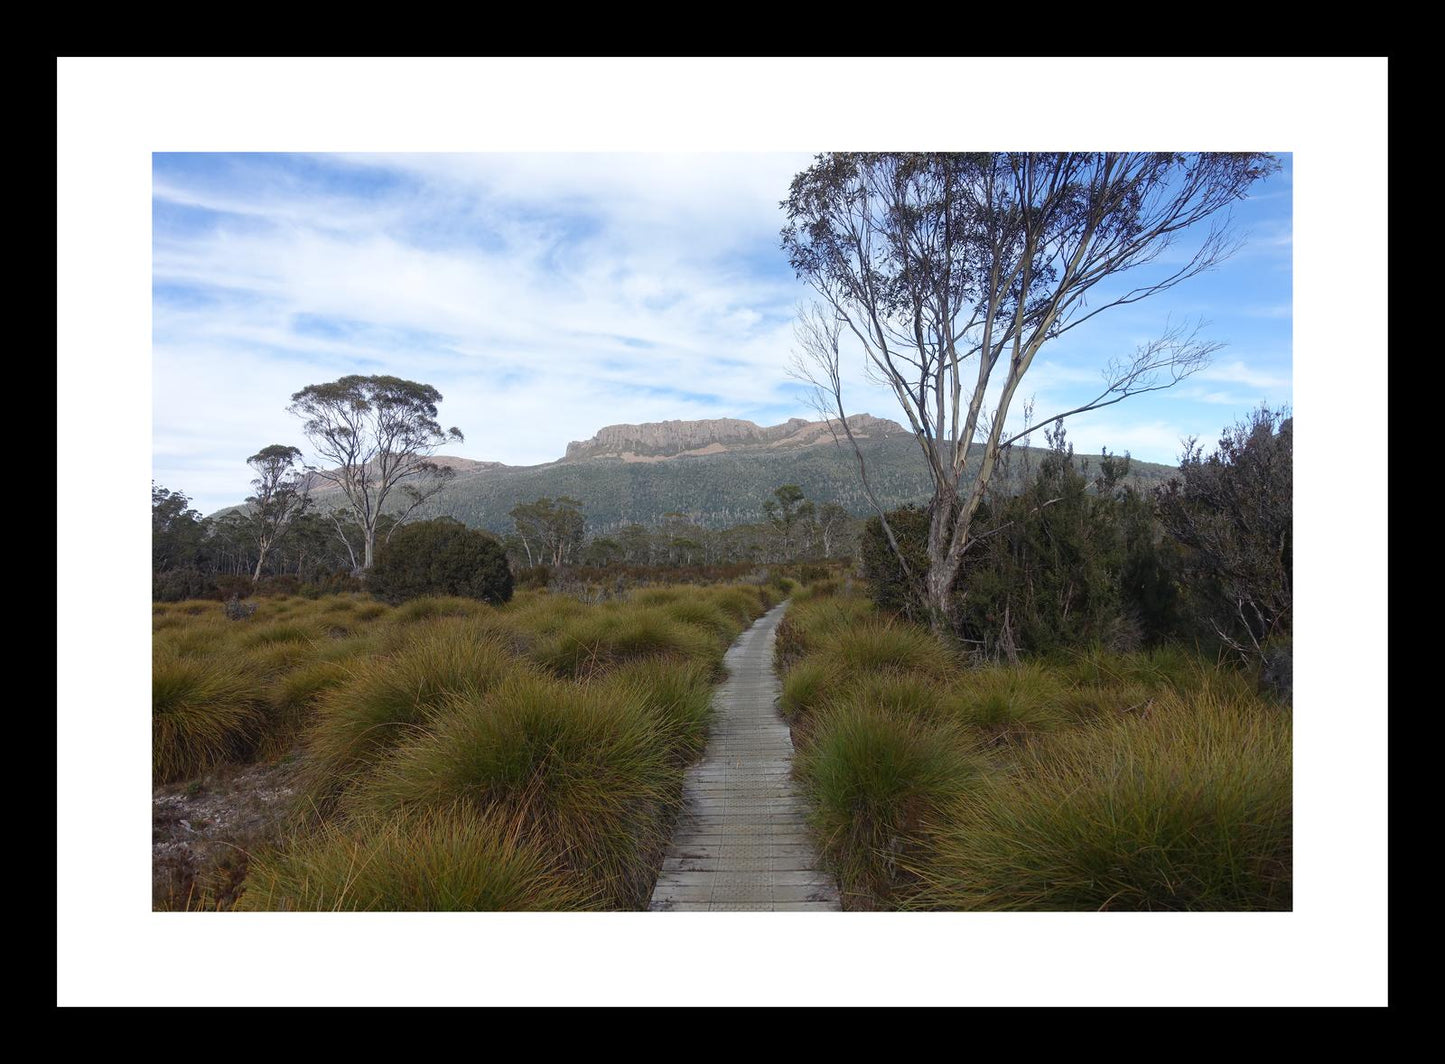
{"x":889,"y":585}
{"x":441,"y":557}
{"x":1232,"y":514}
{"x":178,"y":585}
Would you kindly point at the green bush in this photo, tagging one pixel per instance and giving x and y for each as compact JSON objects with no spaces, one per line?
{"x":177,"y":585}
{"x":441,"y":557}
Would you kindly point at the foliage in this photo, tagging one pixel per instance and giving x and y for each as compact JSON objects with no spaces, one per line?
{"x":550,"y":529}
{"x":177,"y":531}
{"x":951,"y":271}
{"x":784,"y":511}
{"x":1232,"y":511}
{"x":281,"y":496}
{"x":1067,"y":561}
{"x":375,"y":436}
{"x":441,"y":557}
{"x":888,"y":578}
{"x":177,"y":585}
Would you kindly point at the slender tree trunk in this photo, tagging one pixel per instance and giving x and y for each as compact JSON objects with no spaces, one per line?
{"x":260,"y":561}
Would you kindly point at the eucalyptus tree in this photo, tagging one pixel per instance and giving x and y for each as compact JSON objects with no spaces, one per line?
{"x":281,"y":496}
{"x":375,"y":437}
{"x":551,"y":530}
{"x":952,"y":271}
{"x":784,"y":511}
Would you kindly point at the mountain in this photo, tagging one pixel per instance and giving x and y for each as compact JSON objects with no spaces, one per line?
{"x":717,"y":472}
{"x":677,"y":439}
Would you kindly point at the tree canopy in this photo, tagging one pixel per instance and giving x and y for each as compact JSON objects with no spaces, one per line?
{"x":375,"y":437}
{"x":950,"y":271}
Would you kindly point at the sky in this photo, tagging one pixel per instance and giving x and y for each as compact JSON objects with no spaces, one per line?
{"x":546,"y":295}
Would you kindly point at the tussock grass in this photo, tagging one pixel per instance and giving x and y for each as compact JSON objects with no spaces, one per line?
{"x":1185,"y":807}
{"x":434,"y":606}
{"x":874,"y":778}
{"x":449,"y":861}
{"x":656,"y":596}
{"x":198,"y":638}
{"x":679,"y":693}
{"x":904,"y":695}
{"x":202,"y":712}
{"x":388,"y":698}
{"x":1157,"y":670}
{"x":805,"y":686}
{"x":585,"y":772}
{"x":544,"y":614}
{"x":818,"y":589}
{"x":1086,"y":780}
{"x":594,"y":643}
{"x":706,"y":615}
{"x":879,"y":646}
{"x":1009,"y":704}
{"x":281,"y":632}
{"x":454,"y":755}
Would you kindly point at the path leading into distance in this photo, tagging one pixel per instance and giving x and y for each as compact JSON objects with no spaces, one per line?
{"x":741,"y":843}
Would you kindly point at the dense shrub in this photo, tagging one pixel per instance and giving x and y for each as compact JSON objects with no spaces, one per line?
{"x":1068,"y":561}
{"x":890,"y":587}
{"x":178,"y":585}
{"x":441,"y":557}
{"x":1232,"y":512}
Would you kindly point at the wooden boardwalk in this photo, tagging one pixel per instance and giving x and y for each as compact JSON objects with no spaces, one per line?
{"x":741,"y":843}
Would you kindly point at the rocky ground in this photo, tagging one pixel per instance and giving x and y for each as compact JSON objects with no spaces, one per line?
{"x":203,"y":831}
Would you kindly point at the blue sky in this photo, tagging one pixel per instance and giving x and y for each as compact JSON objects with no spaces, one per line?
{"x":548,"y":294}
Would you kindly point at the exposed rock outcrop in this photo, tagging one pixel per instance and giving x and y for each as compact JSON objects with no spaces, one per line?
{"x":663,"y":439}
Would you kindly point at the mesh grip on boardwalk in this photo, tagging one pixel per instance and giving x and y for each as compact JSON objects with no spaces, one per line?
{"x":741,"y":843}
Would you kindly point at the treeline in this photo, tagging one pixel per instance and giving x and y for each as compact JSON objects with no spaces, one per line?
{"x":1079,"y":558}
{"x":319,"y":552}
{"x":209,"y":557}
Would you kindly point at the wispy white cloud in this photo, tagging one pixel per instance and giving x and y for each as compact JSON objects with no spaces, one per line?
{"x":544,"y":295}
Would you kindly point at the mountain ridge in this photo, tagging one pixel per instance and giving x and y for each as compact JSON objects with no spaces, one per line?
{"x":717,"y":472}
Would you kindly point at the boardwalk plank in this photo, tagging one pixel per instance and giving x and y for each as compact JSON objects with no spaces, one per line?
{"x":741,"y":843}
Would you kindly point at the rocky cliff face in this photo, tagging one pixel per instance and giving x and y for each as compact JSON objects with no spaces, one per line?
{"x":669,"y":439}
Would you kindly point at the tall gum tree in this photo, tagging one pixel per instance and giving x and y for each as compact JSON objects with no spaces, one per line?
{"x":952,"y":271}
{"x":375,"y":437}
{"x":281,"y":497}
